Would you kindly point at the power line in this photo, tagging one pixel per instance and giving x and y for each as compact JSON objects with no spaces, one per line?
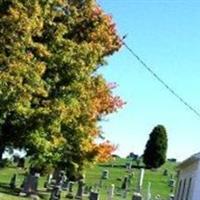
{"x":157,"y":77}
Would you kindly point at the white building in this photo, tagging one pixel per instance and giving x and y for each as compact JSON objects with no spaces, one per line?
{"x":188,"y":187}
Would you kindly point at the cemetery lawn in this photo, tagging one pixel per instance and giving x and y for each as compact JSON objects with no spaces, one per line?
{"x":117,"y":171}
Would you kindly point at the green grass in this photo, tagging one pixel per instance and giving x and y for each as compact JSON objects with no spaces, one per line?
{"x":159,"y":183}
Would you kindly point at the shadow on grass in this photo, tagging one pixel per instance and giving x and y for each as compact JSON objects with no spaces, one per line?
{"x":5,"y":188}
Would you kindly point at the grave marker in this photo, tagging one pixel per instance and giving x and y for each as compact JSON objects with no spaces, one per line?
{"x":94,"y":196}
{"x":81,"y":184}
{"x":111,"y":192}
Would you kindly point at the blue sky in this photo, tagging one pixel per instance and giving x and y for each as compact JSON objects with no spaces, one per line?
{"x":166,"y":34}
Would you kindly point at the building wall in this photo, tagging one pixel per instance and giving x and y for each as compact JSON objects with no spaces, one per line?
{"x":196,"y":193}
{"x":188,"y":187}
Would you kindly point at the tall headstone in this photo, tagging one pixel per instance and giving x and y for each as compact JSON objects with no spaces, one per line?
{"x":124,"y":187}
{"x":30,"y":184}
{"x":149,"y":191}
{"x":111,"y":191}
{"x":141,"y":177}
{"x":80,"y":190}
{"x":57,"y":188}
{"x":70,"y":191}
{"x":137,"y":195}
{"x":48,"y":181}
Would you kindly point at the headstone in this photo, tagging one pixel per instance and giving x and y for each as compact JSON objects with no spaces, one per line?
{"x":70,"y":191}
{"x":86,"y":190}
{"x":137,"y":196}
{"x":13,"y":182}
{"x":21,"y":162}
{"x":30,"y":184}
{"x":172,"y":183}
{"x":94,"y":196}
{"x":105,"y":174}
{"x":171,"y":197}
{"x":165,"y":172}
{"x":111,"y":192}
{"x":81,"y":184}
{"x":57,"y":189}
{"x":140,"y":182}
{"x":56,"y":193}
{"x":125,"y":183}
{"x":149,"y":191}
{"x":48,"y":181}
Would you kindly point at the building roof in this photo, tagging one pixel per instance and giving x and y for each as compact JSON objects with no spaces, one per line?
{"x":190,"y":160}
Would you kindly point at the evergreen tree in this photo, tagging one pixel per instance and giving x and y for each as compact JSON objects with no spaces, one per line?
{"x":156,"y":148}
{"x":51,"y":95}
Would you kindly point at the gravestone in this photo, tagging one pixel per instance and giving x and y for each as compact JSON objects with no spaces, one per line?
{"x":105,"y":174}
{"x":21,"y":163}
{"x":125,"y":183}
{"x":70,"y":191}
{"x":111,"y":192}
{"x":124,"y":187}
{"x":137,"y":195}
{"x":80,"y":190}
{"x":149,"y":191}
{"x":94,"y":196}
{"x":57,"y":189}
{"x":13,"y":182}
{"x":48,"y":181}
{"x":172,"y":183}
{"x":165,"y":172}
{"x":56,"y":193}
{"x":140,"y":182}
{"x":171,"y":197}
{"x":30,"y":184}
{"x":86,"y":190}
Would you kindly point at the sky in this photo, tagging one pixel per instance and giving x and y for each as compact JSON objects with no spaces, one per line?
{"x":166,"y":35}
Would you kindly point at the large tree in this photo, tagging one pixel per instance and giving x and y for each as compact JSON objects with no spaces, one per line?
{"x":51,"y":95}
{"x":156,"y":148}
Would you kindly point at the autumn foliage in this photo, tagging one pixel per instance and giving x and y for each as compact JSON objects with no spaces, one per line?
{"x":51,"y":94}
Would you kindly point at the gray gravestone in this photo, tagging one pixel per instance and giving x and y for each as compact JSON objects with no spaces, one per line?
{"x":137,"y":196}
{"x":57,"y":189}
{"x":94,"y":196}
{"x":124,"y":187}
{"x":111,"y":192}
{"x":70,"y":191}
{"x":48,"y":181}
{"x":171,"y":197}
{"x":165,"y":173}
{"x":30,"y":184}
{"x":56,"y":193}
{"x":149,"y":191}
{"x":80,"y":190}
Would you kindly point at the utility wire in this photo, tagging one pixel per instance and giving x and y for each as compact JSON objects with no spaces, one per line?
{"x":156,"y":76}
